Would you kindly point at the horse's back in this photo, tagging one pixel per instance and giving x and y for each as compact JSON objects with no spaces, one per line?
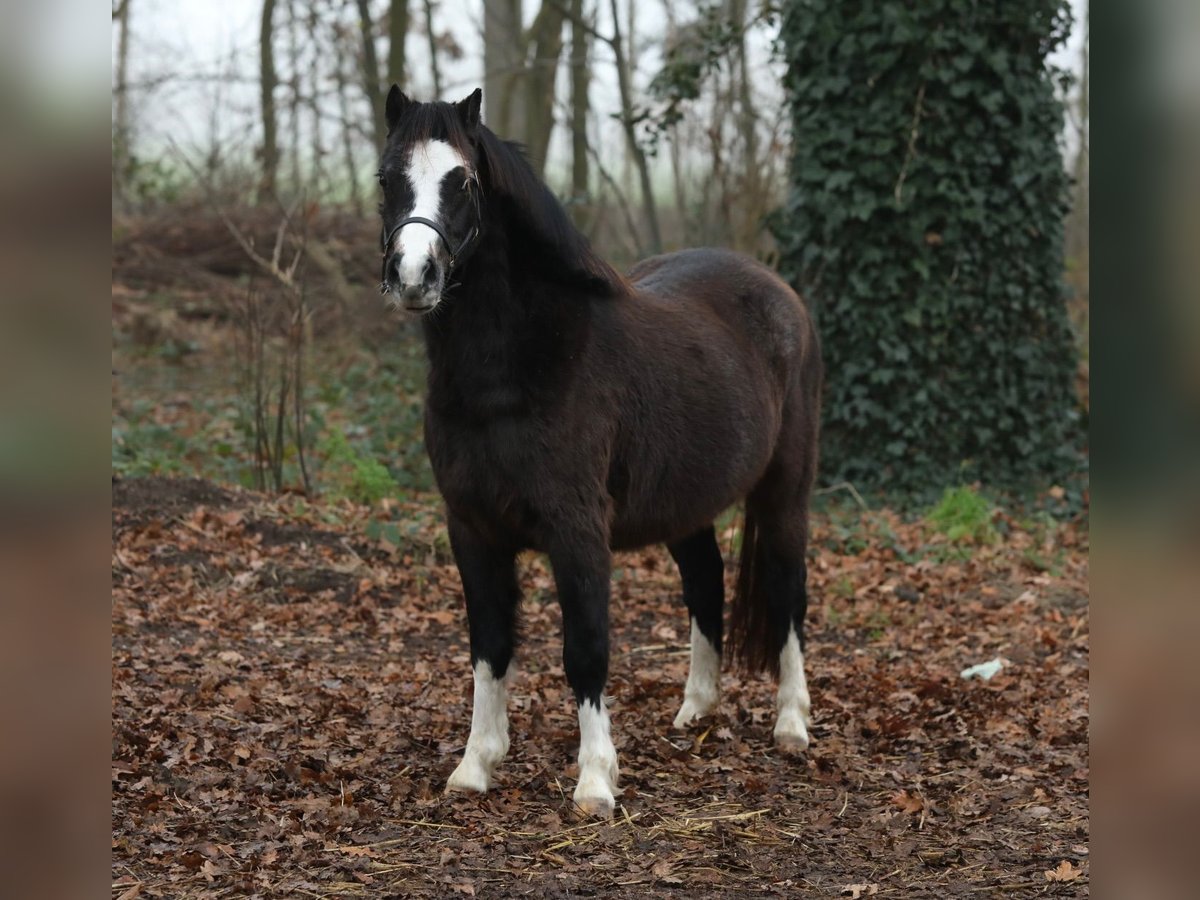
{"x":673,"y":274}
{"x":747,"y":295}
{"x":708,"y":269}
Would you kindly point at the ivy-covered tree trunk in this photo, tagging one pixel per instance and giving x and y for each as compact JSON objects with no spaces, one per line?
{"x":925,"y":223}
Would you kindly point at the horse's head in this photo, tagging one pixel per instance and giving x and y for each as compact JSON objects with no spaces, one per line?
{"x":431,"y":197}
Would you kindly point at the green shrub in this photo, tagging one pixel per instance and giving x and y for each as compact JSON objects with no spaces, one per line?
{"x":964,"y":516}
{"x":925,"y":225}
{"x":145,"y":448}
{"x":384,"y":399}
{"x":348,"y":473}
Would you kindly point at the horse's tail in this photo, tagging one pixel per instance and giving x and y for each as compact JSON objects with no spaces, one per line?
{"x":752,"y":645}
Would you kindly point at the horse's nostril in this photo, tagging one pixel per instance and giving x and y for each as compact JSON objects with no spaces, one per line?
{"x":430,"y":276}
{"x":393,"y":268}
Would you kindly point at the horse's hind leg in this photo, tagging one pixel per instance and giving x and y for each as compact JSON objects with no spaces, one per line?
{"x":793,"y":705}
{"x":703,"y":572}
{"x":490,"y":586}
{"x":780,"y":514}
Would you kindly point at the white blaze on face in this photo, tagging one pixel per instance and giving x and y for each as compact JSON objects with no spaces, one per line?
{"x":488,"y":742}
{"x":702,"y":692}
{"x":416,"y":243}
{"x":793,"y":704}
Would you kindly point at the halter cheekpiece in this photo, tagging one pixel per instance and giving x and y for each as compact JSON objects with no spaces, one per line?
{"x":456,"y":254}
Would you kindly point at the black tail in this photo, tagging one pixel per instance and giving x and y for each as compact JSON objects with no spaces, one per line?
{"x":753,"y":644}
{"x":772,"y":595}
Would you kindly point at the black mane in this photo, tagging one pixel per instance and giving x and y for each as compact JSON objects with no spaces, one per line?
{"x":537,"y":212}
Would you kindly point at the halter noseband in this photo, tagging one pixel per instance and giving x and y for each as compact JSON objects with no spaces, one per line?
{"x":456,"y":255}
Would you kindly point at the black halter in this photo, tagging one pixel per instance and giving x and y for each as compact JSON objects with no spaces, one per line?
{"x":457,"y":255}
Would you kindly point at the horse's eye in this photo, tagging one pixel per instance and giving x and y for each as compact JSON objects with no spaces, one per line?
{"x":381,"y":178}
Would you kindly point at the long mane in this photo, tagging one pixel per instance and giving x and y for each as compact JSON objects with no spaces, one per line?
{"x":532,"y":207}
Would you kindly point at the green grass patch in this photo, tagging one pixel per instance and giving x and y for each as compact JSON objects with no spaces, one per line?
{"x":964,"y":516}
{"x":178,"y":411}
{"x":349,"y":473}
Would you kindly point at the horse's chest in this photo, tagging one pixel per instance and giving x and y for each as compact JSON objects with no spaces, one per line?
{"x":486,"y":474}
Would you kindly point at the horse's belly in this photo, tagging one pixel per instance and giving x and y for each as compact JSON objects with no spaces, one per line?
{"x":666,"y":492}
{"x":671,"y":454}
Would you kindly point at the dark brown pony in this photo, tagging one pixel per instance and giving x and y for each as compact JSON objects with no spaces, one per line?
{"x":573,"y":411}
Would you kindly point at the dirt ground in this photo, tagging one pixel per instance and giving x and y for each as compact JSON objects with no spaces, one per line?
{"x":289,"y":697}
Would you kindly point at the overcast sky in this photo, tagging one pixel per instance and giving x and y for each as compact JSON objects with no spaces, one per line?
{"x":220,"y":38}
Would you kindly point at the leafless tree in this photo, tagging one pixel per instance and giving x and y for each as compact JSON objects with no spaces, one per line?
{"x":269,"y":155}
{"x":347,"y":129}
{"x":716,"y":170}
{"x":503,"y":62}
{"x":434,"y":67}
{"x":294,"y":99}
{"x":122,"y":128}
{"x":398,"y":23}
{"x":544,"y":45}
{"x":272,"y":338}
{"x":628,"y":124}
{"x":374,"y":88}
{"x":747,"y":117}
{"x":369,"y":71}
{"x":579,"y":114}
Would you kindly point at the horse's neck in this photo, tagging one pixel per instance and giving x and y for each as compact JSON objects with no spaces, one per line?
{"x":501,"y":336}
{"x":479,"y":319}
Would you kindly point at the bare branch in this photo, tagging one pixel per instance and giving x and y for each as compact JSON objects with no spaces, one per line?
{"x":269,"y":266}
{"x":583,"y":23}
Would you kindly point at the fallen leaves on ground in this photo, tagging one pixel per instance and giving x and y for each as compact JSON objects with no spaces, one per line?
{"x":860,"y":890}
{"x":289,"y":697}
{"x":1064,"y":872}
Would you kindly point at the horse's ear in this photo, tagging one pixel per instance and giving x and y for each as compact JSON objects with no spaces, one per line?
{"x":397,"y":103}
{"x":468,"y":109}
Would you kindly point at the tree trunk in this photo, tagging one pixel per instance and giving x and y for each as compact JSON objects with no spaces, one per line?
{"x":1078,"y":225}
{"x":398,"y":19}
{"x":627,"y":124}
{"x":433,"y":51}
{"x":676,"y":139}
{"x":545,"y":43}
{"x":579,"y":112}
{"x":356,"y":199}
{"x":122,"y":131}
{"x":370,"y":70}
{"x":294,"y":101}
{"x":315,"y":142}
{"x":746,"y":232}
{"x":269,"y":158}
{"x":504,"y":64}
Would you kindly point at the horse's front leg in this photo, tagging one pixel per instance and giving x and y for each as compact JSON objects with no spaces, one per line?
{"x":581,"y":572}
{"x":703,"y":573}
{"x":490,"y":586}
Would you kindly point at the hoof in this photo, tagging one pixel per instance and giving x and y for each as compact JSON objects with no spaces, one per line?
{"x":791,"y":743}
{"x":469,"y":777}
{"x":791,"y":735}
{"x":693,"y":709}
{"x":597,"y":806}
{"x":594,"y":793}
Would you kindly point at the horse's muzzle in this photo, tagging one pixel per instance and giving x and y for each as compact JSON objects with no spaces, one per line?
{"x":416,"y":299}
{"x":415,"y":295}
